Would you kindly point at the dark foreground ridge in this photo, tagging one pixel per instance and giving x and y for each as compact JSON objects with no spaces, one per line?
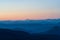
{"x":6,"y":34}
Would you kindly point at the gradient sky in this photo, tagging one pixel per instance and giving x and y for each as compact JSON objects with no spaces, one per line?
{"x":29,"y":9}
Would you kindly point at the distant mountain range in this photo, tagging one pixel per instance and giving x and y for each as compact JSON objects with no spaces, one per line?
{"x":30,"y":30}
{"x":31,"y":21}
{"x":31,"y":26}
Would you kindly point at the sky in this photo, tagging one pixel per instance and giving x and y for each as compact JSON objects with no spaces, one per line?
{"x":29,"y":9}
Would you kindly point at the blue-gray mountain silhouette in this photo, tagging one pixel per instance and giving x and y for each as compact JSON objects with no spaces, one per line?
{"x":30,"y":30}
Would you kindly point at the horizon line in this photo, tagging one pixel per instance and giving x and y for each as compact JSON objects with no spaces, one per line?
{"x":30,"y":19}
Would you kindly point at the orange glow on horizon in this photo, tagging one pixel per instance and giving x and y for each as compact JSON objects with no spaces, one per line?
{"x":33,"y":14}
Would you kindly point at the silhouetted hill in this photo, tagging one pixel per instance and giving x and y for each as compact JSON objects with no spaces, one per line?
{"x":52,"y":34}
{"x":45,"y":37}
{"x":6,"y":34}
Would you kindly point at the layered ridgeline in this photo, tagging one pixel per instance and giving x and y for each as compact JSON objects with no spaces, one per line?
{"x":32,"y":26}
{"x":30,"y":30}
